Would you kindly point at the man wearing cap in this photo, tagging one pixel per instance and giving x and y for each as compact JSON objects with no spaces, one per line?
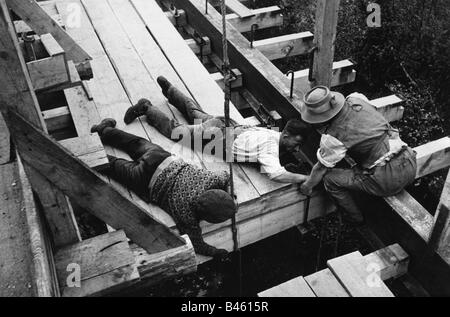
{"x":381,"y":164}
{"x":188,"y":193}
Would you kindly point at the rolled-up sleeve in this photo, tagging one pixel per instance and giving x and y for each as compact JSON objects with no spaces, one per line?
{"x":331,"y":151}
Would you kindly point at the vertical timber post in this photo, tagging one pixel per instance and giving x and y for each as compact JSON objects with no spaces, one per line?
{"x":324,"y":38}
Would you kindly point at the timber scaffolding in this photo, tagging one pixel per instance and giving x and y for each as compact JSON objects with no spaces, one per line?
{"x":92,"y":59}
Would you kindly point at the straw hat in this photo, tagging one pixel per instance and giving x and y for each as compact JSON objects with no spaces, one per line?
{"x":321,"y":105}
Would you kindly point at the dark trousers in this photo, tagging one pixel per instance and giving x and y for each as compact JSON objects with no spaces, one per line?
{"x":146,"y":156}
{"x":199,"y":122}
{"x":385,"y":180}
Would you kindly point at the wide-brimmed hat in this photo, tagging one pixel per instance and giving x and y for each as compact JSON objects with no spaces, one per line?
{"x":321,"y":105}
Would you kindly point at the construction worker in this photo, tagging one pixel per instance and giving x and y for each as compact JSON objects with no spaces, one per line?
{"x":188,"y":193}
{"x":246,"y":144}
{"x":381,"y":164}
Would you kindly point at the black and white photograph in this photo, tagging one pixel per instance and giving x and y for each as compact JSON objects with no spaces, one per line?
{"x":225,"y":154}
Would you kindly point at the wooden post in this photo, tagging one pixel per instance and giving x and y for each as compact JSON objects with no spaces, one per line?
{"x":17,"y":93}
{"x":440,"y":236}
{"x":324,"y":38}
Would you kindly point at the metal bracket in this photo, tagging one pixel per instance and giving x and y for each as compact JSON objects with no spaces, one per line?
{"x":200,"y":42}
{"x":292,"y":73}
{"x":252,"y":33}
{"x":28,"y":41}
{"x":311,"y":62}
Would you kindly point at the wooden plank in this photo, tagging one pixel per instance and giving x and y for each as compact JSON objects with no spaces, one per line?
{"x":157,"y":267}
{"x":325,"y":284}
{"x":413,"y":213}
{"x":18,"y":93}
{"x":354,"y":274}
{"x":87,"y":189}
{"x":42,"y":23}
{"x":389,"y":262}
{"x":89,"y":149}
{"x":296,"y":287}
{"x":57,"y":118}
{"x":391,"y":107}
{"x":267,"y":17}
{"x":433,"y":156}
{"x":5,"y":146}
{"x":16,"y":262}
{"x":440,"y":237}
{"x":202,"y":88}
{"x":22,"y":27}
{"x":149,"y":52}
{"x":285,"y":45}
{"x":196,"y":48}
{"x":44,"y":272}
{"x":324,"y":38}
{"x":48,"y":72}
{"x":237,"y":7}
{"x":97,"y":258}
{"x":343,"y":73}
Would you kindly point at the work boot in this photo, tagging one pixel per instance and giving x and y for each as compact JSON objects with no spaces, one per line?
{"x":108,"y":122}
{"x":164,"y":84}
{"x":137,"y":110}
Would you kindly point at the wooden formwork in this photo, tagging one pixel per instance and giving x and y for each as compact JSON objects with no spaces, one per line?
{"x":130,"y":43}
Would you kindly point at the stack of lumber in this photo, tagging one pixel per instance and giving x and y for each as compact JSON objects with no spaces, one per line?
{"x":351,"y":275}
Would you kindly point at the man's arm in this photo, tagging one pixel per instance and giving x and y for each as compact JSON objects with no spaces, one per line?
{"x":288,"y":177}
{"x":200,"y":246}
{"x":316,"y":176}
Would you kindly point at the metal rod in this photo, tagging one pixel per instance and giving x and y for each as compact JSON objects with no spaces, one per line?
{"x":252,"y":34}
{"x":291,"y":72}
{"x":311,"y":62}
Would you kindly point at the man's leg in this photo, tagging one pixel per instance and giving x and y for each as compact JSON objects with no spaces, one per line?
{"x":131,"y":144}
{"x":188,"y":107}
{"x":340,"y":183}
{"x":133,"y":175}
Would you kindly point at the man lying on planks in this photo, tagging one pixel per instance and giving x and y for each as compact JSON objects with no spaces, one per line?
{"x":352,"y":130}
{"x":238,"y":144}
{"x":188,"y":193}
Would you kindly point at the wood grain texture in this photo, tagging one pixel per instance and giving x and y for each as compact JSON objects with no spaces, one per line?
{"x":285,"y":45}
{"x":296,"y":287}
{"x":267,"y":17}
{"x":36,"y":17}
{"x":5,"y":146}
{"x":325,"y":284}
{"x":433,"y":156}
{"x":356,"y":277}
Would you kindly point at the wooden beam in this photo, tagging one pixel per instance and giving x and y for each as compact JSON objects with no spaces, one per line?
{"x":57,"y":118}
{"x":324,"y":37}
{"x":22,"y":27}
{"x":104,"y":263}
{"x":285,"y":45}
{"x":42,"y":23}
{"x":440,"y":236}
{"x":5,"y":146}
{"x":18,"y":94}
{"x":87,"y":188}
{"x":296,"y":287}
{"x":267,"y":17}
{"x":391,"y":107}
{"x":388,"y":262}
{"x":352,"y":272}
{"x":177,"y":20}
{"x":196,"y":48}
{"x":237,"y":7}
{"x":343,"y":73}
{"x":89,"y":149}
{"x":433,"y":156}
{"x":157,"y":267}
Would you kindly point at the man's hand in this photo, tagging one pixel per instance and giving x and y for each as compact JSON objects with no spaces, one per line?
{"x":306,"y":189}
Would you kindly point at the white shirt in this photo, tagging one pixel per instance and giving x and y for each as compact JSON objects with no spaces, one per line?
{"x":259,"y":145}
